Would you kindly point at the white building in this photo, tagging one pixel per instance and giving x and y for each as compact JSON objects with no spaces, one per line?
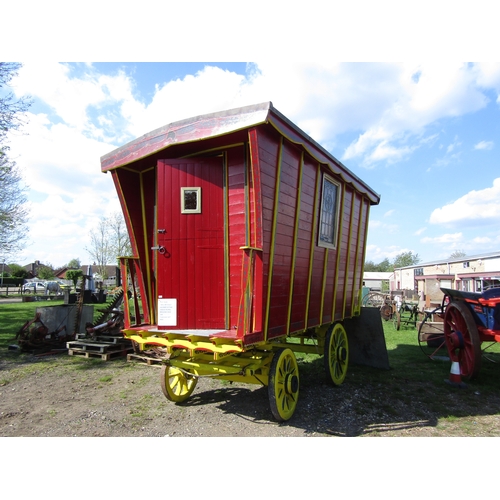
{"x":471,"y":274}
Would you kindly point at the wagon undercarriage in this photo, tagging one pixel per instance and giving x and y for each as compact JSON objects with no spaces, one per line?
{"x":196,"y":354}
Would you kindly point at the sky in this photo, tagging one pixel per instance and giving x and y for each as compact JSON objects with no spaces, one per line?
{"x":425,"y":136}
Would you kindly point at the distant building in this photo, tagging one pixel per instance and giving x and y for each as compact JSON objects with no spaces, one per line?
{"x":112,"y":272}
{"x":376,"y":281}
{"x":471,"y":274}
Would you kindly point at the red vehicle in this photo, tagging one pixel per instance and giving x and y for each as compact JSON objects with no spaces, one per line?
{"x":460,"y":326}
{"x":249,"y":242}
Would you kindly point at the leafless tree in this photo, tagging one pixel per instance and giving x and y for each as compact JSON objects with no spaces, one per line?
{"x":13,"y":209}
{"x":108,"y":241}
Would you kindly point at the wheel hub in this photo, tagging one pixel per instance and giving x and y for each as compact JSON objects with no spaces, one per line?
{"x":291,"y":384}
{"x":456,"y":340}
{"x":341,"y":353}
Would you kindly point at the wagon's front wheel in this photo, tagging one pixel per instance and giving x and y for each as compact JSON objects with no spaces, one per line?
{"x":336,"y":354}
{"x":462,"y":338}
{"x":283,"y":386}
{"x":176,"y":384}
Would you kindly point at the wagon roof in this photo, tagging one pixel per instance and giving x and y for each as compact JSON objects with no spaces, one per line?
{"x":224,"y":122}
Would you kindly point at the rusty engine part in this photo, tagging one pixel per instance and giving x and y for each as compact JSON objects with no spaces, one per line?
{"x":34,"y":335}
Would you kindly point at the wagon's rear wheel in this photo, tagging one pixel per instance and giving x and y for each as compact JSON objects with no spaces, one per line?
{"x":176,"y":384}
{"x":283,"y":385}
{"x":336,"y":355}
{"x":462,"y":338}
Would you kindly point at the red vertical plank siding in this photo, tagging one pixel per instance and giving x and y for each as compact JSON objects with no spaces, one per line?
{"x":265,"y":148}
{"x":351,"y":255}
{"x":305,"y":235}
{"x":284,"y":240}
{"x":343,"y":248}
{"x":237,"y":229}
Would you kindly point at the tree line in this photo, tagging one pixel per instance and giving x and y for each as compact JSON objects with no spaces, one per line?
{"x":403,"y":259}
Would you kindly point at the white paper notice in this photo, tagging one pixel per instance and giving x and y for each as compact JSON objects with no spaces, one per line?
{"x":167,"y":312}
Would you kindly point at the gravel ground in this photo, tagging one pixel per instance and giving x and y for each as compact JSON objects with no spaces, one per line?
{"x":64,"y":396}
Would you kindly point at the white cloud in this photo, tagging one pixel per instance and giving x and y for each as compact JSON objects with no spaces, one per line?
{"x":424,"y":94}
{"x":444,"y":238}
{"x":483,"y":205}
{"x":484,"y":145}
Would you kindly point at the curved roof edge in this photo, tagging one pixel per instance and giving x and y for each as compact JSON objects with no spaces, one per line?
{"x":224,"y":122}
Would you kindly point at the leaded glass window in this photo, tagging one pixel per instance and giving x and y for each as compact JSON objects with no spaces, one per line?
{"x":328,"y":220}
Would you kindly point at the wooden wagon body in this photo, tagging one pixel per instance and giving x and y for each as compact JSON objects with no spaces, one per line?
{"x":245,"y":232}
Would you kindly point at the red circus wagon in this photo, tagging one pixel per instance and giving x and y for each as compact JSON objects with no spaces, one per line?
{"x":248,"y":246}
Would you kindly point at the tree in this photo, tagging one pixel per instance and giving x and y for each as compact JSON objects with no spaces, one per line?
{"x":13,"y":210}
{"x":405,"y":259}
{"x":108,"y":241}
{"x":457,"y":254}
{"x":45,"y":272}
{"x":119,"y":235}
{"x":18,"y":271}
{"x":74,"y":264}
{"x":74,"y":275}
{"x":101,"y":249}
{"x":383,"y":267}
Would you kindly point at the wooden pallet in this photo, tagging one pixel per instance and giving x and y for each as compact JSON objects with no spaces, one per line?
{"x":95,"y":346}
{"x":148,"y":360}
{"x":102,"y":339}
{"x":105,"y":356}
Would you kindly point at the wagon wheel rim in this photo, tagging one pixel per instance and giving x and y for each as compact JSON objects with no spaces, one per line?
{"x":431,"y":336}
{"x":373,"y":299}
{"x":283,"y":386}
{"x":462,"y":339}
{"x":177,"y":385}
{"x":336,"y":355}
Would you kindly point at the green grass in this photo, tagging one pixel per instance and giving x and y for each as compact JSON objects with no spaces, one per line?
{"x":14,"y":316}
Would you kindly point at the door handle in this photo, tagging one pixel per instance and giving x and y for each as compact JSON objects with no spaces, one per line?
{"x":160,"y":249}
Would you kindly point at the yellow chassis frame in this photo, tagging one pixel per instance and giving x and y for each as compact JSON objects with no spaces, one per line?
{"x":223,"y":358}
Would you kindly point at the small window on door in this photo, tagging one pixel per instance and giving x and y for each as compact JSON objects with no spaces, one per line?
{"x":329,"y":213}
{"x":191,"y":200}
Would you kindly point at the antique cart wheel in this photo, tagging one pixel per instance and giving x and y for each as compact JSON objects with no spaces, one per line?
{"x":462,"y":338}
{"x":431,"y":335}
{"x":176,"y":384}
{"x":373,"y":299}
{"x":283,"y":386}
{"x":336,"y":355}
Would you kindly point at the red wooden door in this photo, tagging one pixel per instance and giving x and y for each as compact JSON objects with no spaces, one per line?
{"x":190,"y":241}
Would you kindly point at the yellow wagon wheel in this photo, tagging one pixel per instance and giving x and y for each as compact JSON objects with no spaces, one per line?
{"x":176,"y":384}
{"x":336,"y":353}
{"x":283,"y":385}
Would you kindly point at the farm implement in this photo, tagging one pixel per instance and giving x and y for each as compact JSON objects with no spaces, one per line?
{"x":462,"y":328}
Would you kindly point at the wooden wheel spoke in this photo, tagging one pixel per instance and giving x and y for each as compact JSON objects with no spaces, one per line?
{"x":283,"y":386}
{"x":462,"y":338}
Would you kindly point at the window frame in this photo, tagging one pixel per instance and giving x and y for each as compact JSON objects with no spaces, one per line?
{"x":196,"y":210}
{"x":336,"y":214}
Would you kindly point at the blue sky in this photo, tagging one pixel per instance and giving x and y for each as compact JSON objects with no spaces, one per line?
{"x":425,"y":136}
